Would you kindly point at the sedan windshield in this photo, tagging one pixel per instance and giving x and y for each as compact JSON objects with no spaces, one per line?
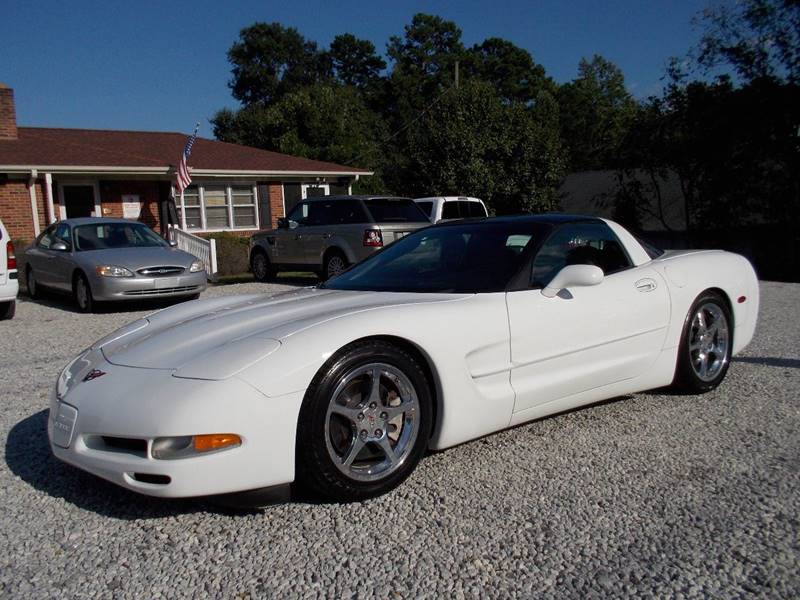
{"x":103,"y":236}
{"x":463,"y":258}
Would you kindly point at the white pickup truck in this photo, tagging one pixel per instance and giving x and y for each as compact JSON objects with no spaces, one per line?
{"x":9,"y":282}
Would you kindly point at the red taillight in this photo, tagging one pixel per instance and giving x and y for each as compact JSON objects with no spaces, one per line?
{"x":373,"y":238}
{"x":11,"y":258}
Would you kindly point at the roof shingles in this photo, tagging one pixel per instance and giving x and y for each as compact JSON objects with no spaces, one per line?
{"x":43,"y":146}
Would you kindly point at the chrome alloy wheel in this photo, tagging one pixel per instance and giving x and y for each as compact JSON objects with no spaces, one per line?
{"x":335,"y":265}
{"x":372,"y":422}
{"x":708,"y":341}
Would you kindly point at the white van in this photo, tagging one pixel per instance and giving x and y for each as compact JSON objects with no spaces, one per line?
{"x":445,"y":208}
{"x":9,"y":282}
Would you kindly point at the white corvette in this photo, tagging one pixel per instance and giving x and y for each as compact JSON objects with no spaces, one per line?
{"x":451,"y":333}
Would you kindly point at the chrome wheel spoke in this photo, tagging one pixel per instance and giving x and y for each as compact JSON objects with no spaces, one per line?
{"x":353,"y":451}
{"x":386,"y":446}
{"x":395,"y":411}
{"x":350,"y":413}
{"x":375,"y":386}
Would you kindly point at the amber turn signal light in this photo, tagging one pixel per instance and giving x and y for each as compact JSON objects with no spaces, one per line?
{"x":215,"y":441}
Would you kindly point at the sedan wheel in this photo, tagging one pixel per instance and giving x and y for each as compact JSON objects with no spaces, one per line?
{"x":365,"y":422}
{"x":705,"y":351}
{"x":83,"y":294}
{"x":30,"y":281}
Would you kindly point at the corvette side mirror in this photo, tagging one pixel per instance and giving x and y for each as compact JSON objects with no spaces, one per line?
{"x":573,"y":276}
{"x":173,"y":243}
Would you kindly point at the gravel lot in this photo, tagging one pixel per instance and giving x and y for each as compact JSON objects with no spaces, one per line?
{"x":652,"y":495}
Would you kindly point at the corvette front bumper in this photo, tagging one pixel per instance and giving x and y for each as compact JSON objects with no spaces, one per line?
{"x":106,"y":426}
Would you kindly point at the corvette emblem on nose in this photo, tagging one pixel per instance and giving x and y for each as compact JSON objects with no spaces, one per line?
{"x":94,"y":374}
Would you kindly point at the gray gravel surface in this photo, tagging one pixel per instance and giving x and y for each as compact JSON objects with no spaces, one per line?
{"x":652,"y":495}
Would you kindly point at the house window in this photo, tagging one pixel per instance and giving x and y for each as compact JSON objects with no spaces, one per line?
{"x":244,"y":206}
{"x":191,"y":208}
{"x":216,"y":206}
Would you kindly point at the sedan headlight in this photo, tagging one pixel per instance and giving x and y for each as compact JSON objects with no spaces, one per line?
{"x":197,"y":266}
{"x":113,"y":271}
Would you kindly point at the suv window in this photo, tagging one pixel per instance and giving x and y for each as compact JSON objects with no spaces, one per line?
{"x":462,"y":209}
{"x":319,"y":213}
{"x":299,"y":213}
{"x":349,"y":211}
{"x":395,"y":210}
{"x":579,"y":244}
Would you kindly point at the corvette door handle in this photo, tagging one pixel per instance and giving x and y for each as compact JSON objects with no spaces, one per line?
{"x":646,"y":285}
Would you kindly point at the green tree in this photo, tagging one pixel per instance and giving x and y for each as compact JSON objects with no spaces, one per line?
{"x":472,"y":142}
{"x":424,"y":58}
{"x":509,"y":68}
{"x":355,"y":61}
{"x":327,"y":122}
{"x":757,"y":38}
{"x":270,"y":60}
{"x":596,"y":111}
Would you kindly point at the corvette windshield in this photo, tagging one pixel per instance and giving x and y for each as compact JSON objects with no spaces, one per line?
{"x":463,"y":258}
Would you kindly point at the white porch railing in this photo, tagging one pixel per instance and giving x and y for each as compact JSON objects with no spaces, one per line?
{"x":205,"y":250}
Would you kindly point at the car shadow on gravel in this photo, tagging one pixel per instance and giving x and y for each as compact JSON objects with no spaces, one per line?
{"x":28,"y":456}
{"x":66,"y":304}
{"x":769,"y":361}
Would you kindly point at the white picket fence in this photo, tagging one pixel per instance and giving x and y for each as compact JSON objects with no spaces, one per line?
{"x":205,"y":250}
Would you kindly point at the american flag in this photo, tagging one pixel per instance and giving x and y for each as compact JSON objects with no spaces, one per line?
{"x":183,"y":177}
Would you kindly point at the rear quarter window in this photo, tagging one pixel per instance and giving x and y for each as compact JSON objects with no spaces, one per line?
{"x":395,"y":210}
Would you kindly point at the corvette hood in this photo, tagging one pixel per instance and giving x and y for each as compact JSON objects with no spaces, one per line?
{"x":228,"y":334}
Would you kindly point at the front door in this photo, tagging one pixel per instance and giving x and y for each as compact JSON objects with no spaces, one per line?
{"x":78,"y":200}
{"x":585,"y":337}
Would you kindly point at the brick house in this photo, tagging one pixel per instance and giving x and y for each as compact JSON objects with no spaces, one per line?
{"x":48,"y":174}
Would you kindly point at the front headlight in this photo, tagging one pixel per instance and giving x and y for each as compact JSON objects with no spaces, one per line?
{"x":113,"y":271}
{"x":184,"y":446}
{"x":197,"y":266}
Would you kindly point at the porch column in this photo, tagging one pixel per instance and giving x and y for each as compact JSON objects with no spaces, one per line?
{"x":48,"y":192}
{"x":34,"y":207}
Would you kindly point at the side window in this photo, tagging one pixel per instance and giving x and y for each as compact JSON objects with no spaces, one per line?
{"x":64,"y":234}
{"x":46,"y":239}
{"x":426,"y":207}
{"x":319,"y":213}
{"x":300,"y":213}
{"x":579,"y":244}
{"x":476,"y":209}
{"x":347,"y":212}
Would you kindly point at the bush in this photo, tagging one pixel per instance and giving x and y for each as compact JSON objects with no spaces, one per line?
{"x":232,"y":253}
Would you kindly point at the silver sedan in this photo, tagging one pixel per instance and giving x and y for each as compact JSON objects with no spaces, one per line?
{"x":99,"y":259}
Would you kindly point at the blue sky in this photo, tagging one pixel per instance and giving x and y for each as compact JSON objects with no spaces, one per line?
{"x":162,"y":65}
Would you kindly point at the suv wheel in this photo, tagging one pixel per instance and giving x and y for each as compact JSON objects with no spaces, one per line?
{"x":335,"y":263}
{"x":261,"y":267}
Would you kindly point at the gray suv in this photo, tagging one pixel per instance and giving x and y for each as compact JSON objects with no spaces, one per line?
{"x":327,"y":234}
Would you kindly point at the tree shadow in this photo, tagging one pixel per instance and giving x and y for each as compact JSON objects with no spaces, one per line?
{"x":769,"y":361}
{"x":28,"y":456}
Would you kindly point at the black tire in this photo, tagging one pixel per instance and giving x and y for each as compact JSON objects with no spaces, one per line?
{"x":261,"y":266}
{"x":335,"y":263}
{"x":688,"y":370}
{"x":82,"y":293}
{"x":316,"y":470}
{"x":30,"y":283}
{"x":7,"y":310}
